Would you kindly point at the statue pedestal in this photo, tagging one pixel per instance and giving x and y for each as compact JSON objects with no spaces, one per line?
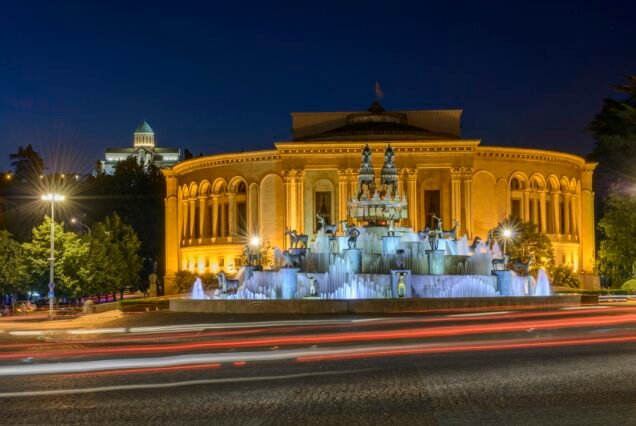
{"x":390,"y":244}
{"x":289,"y":279}
{"x":504,"y":282}
{"x":400,"y":283}
{"x":342,"y":244}
{"x":353,"y":257}
{"x":435,"y":261}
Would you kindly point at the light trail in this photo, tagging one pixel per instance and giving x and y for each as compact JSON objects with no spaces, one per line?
{"x":344,"y":337}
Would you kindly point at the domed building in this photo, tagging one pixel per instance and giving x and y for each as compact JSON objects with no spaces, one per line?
{"x":216,"y":204}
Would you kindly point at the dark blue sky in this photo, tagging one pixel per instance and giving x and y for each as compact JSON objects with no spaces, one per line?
{"x":212,"y":77}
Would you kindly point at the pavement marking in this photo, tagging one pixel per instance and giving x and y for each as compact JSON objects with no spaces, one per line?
{"x":481,"y":314}
{"x":97,"y":331}
{"x":175,"y":384}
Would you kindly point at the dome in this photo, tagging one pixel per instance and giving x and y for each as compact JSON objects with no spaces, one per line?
{"x":144,"y":127}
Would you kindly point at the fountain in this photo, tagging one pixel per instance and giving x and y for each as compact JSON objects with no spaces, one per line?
{"x":543,"y":284}
{"x":377,"y":258}
{"x":197,"y":290}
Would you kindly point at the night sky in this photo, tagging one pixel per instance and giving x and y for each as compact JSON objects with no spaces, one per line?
{"x":76,"y":78}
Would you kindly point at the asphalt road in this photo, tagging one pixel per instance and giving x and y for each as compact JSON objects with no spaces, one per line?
{"x":536,"y":368}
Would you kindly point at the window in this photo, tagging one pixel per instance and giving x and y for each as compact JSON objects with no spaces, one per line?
{"x":322,"y":203}
{"x":516,"y":208}
{"x":431,"y":206}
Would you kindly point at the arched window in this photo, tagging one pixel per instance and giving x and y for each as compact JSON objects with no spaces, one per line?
{"x":323,"y":203}
{"x":240,"y":220}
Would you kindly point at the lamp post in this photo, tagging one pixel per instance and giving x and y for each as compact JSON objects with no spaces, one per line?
{"x":52,"y":198}
{"x":88,"y":229}
{"x":507,"y":233}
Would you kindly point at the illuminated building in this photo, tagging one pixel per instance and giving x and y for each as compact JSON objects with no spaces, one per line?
{"x":216,"y":203}
{"x":143,"y":150}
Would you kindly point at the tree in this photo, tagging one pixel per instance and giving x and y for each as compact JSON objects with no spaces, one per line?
{"x":614,"y":129}
{"x":12,"y":269}
{"x":617,"y":254}
{"x":527,"y":245}
{"x":71,"y":255}
{"x":136,"y":194}
{"x":114,"y":261}
{"x":27,"y":163}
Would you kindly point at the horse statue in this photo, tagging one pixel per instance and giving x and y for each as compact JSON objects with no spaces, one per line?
{"x":296,"y":238}
{"x":476,"y":241}
{"x":325,"y":227}
{"x":522,"y":268}
{"x":291,"y":260}
{"x":226,"y":284}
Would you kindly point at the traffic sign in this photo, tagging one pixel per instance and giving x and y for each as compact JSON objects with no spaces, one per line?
{"x":51,"y":286}
{"x":51,"y":294}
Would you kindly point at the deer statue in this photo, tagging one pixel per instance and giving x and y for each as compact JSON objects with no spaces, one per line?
{"x":503,"y":262}
{"x":353,"y":234}
{"x":291,"y":260}
{"x":452,"y":233}
{"x":226,"y":284}
{"x":325,"y":227}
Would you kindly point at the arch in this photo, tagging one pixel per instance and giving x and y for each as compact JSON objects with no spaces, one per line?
{"x":553,"y":183}
{"x":484,"y":211}
{"x":193,"y":189}
{"x":219,"y":186}
{"x":521,"y":178}
{"x":205,"y":188}
{"x":235,"y":185}
{"x":272,"y":210}
{"x":538,"y":180}
{"x":565,"y":184}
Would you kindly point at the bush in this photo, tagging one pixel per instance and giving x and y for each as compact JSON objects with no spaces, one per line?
{"x":564,"y":276}
{"x":629,"y":285}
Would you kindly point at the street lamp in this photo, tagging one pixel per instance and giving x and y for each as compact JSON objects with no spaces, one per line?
{"x":52,"y":198}
{"x":507,"y":233}
{"x":88,"y":229}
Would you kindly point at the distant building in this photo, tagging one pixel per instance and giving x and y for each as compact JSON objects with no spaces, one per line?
{"x":143,"y":150}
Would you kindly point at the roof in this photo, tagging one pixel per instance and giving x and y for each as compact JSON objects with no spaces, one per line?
{"x":144,"y":127}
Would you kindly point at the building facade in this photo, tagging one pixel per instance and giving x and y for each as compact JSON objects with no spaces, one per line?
{"x":143,"y":150}
{"x":215,"y":204}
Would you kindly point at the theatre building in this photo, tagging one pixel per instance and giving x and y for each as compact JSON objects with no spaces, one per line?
{"x":215,"y":204}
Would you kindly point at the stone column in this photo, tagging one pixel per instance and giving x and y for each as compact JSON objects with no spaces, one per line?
{"x":353,"y":183}
{"x":544,"y":217}
{"x":232,"y":215}
{"x":215,"y":216}
{"x":411,"y":194}
{"x":586,"y":231}
{"x":180,"y":226}
{"x":526,"y":205}
{"x":287,"y":182}
{"x":223,"y":221}
{"x":203,"y":208}
{"x":535,"y":211}
{"x":172,"y":242}
{"x":566,"y":214}
{"x":574,"y":214}
{"x":185,"y":204}
{"x":456,"y":200}
{"x":300,"y":201}
{"x":192,"y":208}
{"x":343,"y":194}
{"x":468,"y":186}
{"x":556,"y":211}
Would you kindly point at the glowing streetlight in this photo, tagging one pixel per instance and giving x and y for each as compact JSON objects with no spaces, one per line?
{"x":507,"y":233}
{"x":255,"y":241}
{"x":52,"y":198}
{"x":88,"y":229}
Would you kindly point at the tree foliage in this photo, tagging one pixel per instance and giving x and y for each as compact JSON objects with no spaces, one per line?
{"x":26,"y":163}
{"x":614,"y":129}
{"x":617,"y":254}
{"x":564,"y":276}
{"x":527,"y":245}
{"x":70,"y":259}
{"x":12,"y":269}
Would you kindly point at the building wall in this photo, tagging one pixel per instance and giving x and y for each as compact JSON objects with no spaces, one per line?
{"x":478,"y":186}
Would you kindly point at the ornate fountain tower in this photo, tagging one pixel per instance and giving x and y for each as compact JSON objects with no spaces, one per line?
{"x":366,"y":176}
{"x":389,"y":174}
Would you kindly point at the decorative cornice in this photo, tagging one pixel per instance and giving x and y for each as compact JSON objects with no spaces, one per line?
{"x":508,"y":153}
{"x":221,"y":160}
